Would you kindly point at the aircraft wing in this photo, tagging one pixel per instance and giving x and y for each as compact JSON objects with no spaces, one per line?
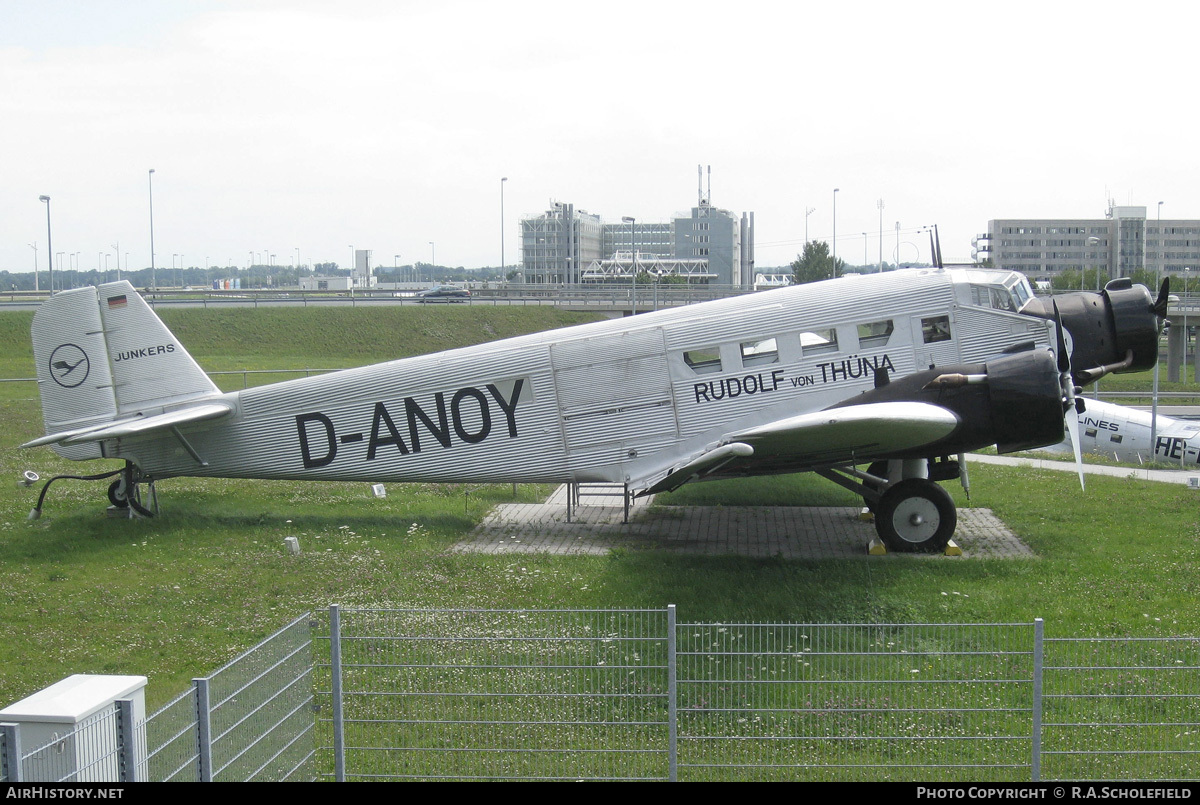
{"x":129,"y":427}
{"x":854,"y":433}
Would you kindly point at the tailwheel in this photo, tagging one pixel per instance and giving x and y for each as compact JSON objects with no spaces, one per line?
{"x":916,"y":515}
{"x":123,"y":493}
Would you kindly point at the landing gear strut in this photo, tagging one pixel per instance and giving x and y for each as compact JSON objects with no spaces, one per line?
{"x":911,"y":512}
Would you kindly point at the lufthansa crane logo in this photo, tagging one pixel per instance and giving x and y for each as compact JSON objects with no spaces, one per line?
{"x":69,"y":366}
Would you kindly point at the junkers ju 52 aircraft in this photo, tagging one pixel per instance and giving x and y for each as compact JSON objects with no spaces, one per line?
{"x":900,"y":371}
{"x":1125,"y":434}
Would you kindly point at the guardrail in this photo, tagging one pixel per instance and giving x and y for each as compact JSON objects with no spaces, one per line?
{"x":641,"y":295}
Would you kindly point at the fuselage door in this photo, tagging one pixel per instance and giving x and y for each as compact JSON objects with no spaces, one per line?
{"x":614,"y":396}
{"x":935,"y":342}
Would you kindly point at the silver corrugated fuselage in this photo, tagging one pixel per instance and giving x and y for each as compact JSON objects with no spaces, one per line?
{"x":607,"y":401}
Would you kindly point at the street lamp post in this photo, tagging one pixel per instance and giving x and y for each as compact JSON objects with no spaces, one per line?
{"x":1187,"y":270}
{"x":1091,"y":243}
{"x":835,"y":192}
{"x":433,"y":259}
{"x":49,"y":247}
{"x":503,"y":179}
{"x":1159,"y":265}
{"x":880,"y":236}
{"x":807,"y":213}
{"x":629,"y":219}
{"x":153,"y":279}
{"x":35,"y":267}
{"x":1157,"y":344}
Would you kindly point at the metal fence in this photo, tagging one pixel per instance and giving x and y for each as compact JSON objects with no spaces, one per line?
{"x":510,"y":694}
{"x":251,"y":720}
{"x":369,"y":694}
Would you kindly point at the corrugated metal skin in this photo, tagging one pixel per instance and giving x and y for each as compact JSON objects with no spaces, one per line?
{"x":614,"y":395}
{"x":84,"y":382}
{"x":70,"y":334}
{"x":263,"y":440}
{"x":597,"y":402}
{"x":149,"y":366}
{"x":981,"y":339}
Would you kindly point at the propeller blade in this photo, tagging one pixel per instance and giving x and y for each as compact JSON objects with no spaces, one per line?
{"x":1073,"y":430}
{"x":1072,"y":404}
{"x":1064,"y":358}
{"x":1160,"y":304}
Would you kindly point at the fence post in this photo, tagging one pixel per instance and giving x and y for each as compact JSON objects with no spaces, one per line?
{"x":1035,"y":763}
{"x":335,"y":672}
{"x":126,"y":742}
{"x":672,"y":701}
{"x":203,"y":730}
{"x":10,"y":752}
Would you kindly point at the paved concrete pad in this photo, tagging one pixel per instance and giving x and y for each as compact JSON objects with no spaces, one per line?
{"x":760,"y":531}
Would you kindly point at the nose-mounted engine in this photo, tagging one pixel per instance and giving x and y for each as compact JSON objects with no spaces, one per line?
{"x":1115,"y":330}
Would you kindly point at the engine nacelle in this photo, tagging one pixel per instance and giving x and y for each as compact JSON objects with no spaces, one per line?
{"x":1014,"y":402}
{"x":1106,"y":327}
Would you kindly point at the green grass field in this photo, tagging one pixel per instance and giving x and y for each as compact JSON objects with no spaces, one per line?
{"x":177,"y":596}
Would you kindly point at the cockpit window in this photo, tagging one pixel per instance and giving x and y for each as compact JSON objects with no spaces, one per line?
{"x":995,"y":297}
{"x":1021,"y":292}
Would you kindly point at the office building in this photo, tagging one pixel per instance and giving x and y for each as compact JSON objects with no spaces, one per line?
{"x":1122,"y":242}
{"x":565,"y":245}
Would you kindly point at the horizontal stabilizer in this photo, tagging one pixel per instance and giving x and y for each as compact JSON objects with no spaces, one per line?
{"x":129,"y":427}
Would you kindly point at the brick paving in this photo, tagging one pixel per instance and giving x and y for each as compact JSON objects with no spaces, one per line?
{"x":759,"y":531}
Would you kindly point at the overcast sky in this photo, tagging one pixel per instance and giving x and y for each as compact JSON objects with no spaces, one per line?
{"x":320,"y":126}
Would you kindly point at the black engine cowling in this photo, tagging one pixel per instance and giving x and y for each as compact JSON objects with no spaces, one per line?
{"x":1106,"y":327}
{"x":1014,"y":402}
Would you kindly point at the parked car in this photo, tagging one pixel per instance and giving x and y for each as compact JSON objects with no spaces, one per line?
{"x":444,"y":293}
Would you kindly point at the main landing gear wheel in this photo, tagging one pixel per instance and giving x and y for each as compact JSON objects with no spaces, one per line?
{"x":916,"y":515}
{"x":118,"y":493}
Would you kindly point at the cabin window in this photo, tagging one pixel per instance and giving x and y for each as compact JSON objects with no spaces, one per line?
{"x":1090,"y":433}
{"x":760,"y":353}
{"x":935,"y":329}
{"x":816,"y":341}
{"x":875,"y":334}
{"x":703,"y":361}
{"x":1116,"y":437}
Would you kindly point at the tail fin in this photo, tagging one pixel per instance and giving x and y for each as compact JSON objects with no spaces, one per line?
{"x":102,"y":355}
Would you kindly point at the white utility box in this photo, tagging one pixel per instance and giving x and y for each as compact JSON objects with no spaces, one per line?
{"x":73,"y":726}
